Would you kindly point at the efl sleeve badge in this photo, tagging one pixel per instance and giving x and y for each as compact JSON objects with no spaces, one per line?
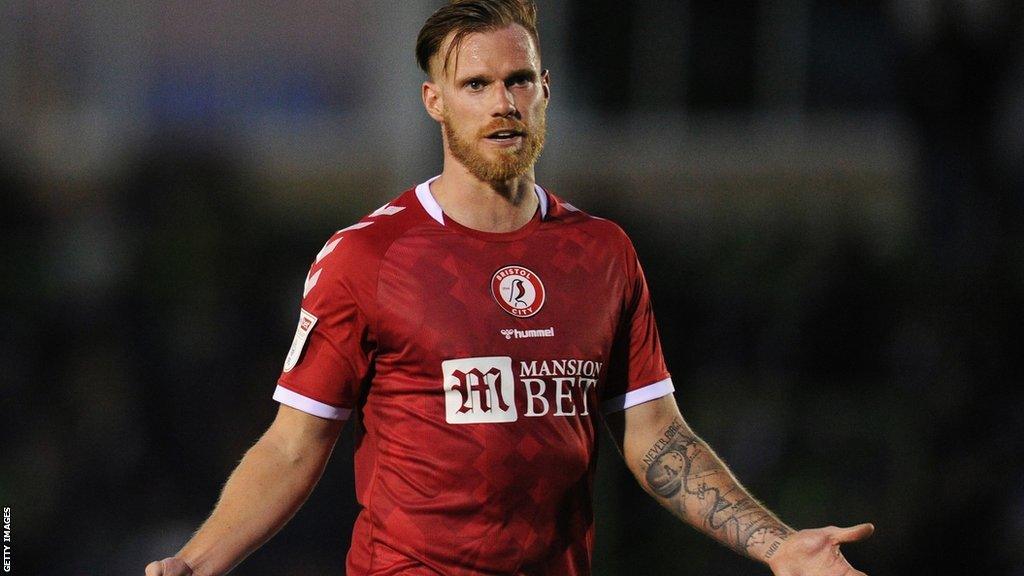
{"x":306,"y":323}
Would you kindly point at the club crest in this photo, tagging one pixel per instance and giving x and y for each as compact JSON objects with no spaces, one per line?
{"x":518,"y":291}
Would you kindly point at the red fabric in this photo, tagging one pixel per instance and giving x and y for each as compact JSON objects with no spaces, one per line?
{"x":401,"y":303}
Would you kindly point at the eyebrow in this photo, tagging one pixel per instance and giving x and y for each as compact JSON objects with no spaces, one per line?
{"x":528,"y":73}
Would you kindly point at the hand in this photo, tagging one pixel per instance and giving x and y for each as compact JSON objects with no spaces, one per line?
{"x":168,"y":567}
{"x":816,"y":552}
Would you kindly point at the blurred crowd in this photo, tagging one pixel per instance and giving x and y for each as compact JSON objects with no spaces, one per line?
{"x":846,"y":336}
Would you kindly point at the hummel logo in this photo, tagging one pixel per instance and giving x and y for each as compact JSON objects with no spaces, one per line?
{"x":510,"y":333}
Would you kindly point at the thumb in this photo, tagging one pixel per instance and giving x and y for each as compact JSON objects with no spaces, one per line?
{"x":168,"y":567}
{"x":853,"y":533}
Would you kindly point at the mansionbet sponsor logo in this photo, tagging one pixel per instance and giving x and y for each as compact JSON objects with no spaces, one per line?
{"x":484,"y":389}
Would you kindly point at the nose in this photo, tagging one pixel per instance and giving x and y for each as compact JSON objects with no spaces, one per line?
{"x":505,"y":104}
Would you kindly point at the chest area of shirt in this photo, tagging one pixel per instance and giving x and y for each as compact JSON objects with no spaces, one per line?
{"x":473,"y":299}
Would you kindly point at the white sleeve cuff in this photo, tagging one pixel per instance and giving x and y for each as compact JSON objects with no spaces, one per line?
{"x":310,"y":406}
{"x":638,"y":396}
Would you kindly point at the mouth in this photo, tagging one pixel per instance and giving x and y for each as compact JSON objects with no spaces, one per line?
{"x":505,"y":136}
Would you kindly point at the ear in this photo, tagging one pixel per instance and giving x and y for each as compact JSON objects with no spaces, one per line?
{"x":433,"y":100}
{"x":545,"y":82}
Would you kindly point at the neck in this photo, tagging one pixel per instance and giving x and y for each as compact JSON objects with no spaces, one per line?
{"x":485,"y":206}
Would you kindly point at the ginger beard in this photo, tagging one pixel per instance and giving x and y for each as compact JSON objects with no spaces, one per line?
{"x":511,"y":162}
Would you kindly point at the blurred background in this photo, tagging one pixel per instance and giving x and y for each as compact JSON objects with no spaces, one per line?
{"x":826,"y":195}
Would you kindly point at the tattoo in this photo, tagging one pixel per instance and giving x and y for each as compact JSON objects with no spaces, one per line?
{"x":775,"y":546}
{"x":674,"y":430}
{"x":680,"y":469}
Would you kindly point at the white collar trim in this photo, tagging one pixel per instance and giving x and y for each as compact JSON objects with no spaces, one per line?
{"x":428,"y":202}
{"x":434,"y":209}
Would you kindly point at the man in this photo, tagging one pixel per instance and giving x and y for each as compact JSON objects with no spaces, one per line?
{"x":474,"y":329}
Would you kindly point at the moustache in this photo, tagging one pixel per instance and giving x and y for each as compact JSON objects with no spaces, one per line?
{"x":504,"y":124}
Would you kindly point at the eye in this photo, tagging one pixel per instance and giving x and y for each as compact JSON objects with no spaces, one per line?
{"x":475,"y":85}
{"x":519,"y":81}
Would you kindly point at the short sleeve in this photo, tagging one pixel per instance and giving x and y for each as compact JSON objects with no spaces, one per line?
{"x":332,"y":350}
{"x":637,"y":371}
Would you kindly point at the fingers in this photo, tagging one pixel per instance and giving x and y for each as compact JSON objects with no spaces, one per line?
{"x":154,"y":569}
{"x":853,"y":533}
{"x":849,"y":570}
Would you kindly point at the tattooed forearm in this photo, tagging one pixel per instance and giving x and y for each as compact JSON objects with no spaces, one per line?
{"x":698,"y":488}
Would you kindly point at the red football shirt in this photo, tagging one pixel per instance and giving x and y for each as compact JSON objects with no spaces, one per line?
{"x":475,"y":365}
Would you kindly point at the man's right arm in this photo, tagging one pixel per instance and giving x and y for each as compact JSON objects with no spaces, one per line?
{"x":269,"y":485}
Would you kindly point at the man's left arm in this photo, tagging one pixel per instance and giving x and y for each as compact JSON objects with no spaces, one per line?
{"x":685,"y":476}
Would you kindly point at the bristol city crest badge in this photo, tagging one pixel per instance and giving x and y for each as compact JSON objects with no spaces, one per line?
{"x":518,"y":291}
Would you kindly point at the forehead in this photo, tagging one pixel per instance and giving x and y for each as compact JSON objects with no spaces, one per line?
{"x":492,"y":51}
